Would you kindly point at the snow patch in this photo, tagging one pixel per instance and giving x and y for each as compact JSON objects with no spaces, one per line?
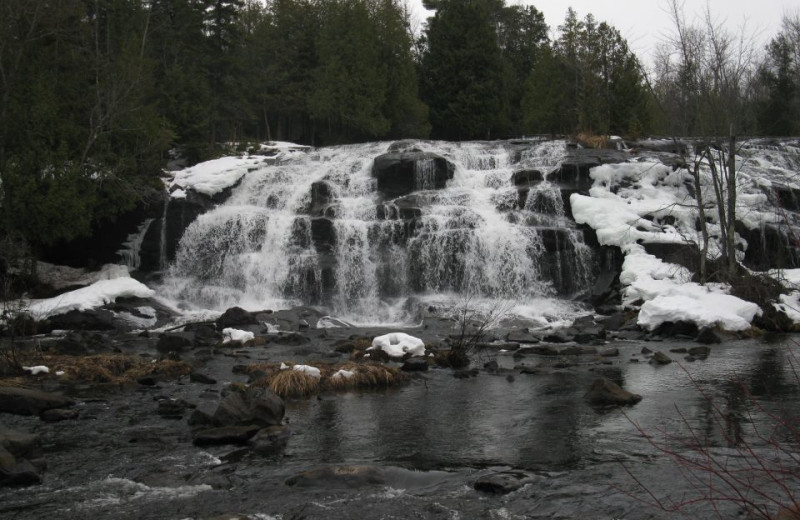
{"x":306,"y":369}
{"x":211,"y":177}
{"x":96,"y":295}
{"x":241,"y":336}
{"x":622,"y":196}
{"x":342,"y":373}
{"x":38,"y":369}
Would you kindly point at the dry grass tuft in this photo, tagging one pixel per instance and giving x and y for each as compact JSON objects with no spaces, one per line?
{"x":592,"y":141}
{"x":292,"y":383}
{"x":103,"y":368}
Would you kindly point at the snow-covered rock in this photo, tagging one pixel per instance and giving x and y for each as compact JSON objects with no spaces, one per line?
{"x":100,"y":293}
{"x":231,"y":334}
{"x":398,"y":344}
{"x":211,"y":177}
{"x":620,"y":199}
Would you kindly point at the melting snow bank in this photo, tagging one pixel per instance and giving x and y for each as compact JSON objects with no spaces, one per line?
{"x":655,"y":190}
{"x":212,"y":177}
{"x":96,"y":295}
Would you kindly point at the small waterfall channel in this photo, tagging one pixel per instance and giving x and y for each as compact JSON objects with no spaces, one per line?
{"x":319,"y":229}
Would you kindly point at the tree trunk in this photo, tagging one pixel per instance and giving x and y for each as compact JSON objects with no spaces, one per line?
{"x":731,"y":223}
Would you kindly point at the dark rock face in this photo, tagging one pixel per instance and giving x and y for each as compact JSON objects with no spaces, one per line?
{"x":685,"y":255}
{"x":400,"y":173}
{"x":322,"y":195}
{"x":768,"y":248}
{"x":175,"y":342}
{"x":415,"y":365}
{"x":180,"y":213}
{"x":678,"y":328}
{"x":708,"y":336}
{"x":101,"y":245}
{"x":97,"y":319}
{"x":574,"y":171}
{"x":21,"y":401}
{"x":606,"y":392}
{"x":527,"y":177}
{"x":234,"y":317}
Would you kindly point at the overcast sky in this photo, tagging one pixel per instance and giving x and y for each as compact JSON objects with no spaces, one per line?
{"x":645,"y":22}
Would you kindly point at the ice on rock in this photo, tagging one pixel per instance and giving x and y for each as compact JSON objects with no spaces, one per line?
{"x":398,"y":344}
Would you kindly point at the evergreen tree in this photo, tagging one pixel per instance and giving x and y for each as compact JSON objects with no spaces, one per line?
{"x":350,"y":82}
{"x":463,"y":74}
{"x":779,"y":112}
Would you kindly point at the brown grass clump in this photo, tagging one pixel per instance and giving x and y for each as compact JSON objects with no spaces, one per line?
{"x":592,"y":141}
{"x":103,"y":368}
{"x":292,"y":383}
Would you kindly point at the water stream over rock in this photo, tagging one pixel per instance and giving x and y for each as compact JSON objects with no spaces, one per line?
{"x":366,"y":229}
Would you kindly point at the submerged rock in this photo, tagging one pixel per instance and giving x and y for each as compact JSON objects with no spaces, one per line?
{"x":339,"y":477}
{"x":271,"y":440}
{"x":606,"y":392}
{"x":225,"y":435}
{"x":253,"y":406}
{"x":503,"y":482}
{"x":660,"y":358}
{"x":15,"y":449}
{"x":22,"y":401}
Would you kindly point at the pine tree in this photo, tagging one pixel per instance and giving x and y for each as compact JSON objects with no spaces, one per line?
{"x":350,"y":82}
{"x":463,"y":74}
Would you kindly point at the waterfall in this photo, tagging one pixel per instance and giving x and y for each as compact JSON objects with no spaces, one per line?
{"x":314,"y":229}
{"x":162,"y":245}
{"x":129,"y":254}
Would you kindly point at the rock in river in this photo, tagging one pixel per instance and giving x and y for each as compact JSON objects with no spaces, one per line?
{"x":606,"y":392}
{"x":22,"y":401}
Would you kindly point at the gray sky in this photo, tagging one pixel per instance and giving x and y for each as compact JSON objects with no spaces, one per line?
{"x":645,"y":22}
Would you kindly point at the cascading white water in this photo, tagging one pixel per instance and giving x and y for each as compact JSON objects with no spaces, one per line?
{"x":274,"y":244}
{"x":129,"y":254}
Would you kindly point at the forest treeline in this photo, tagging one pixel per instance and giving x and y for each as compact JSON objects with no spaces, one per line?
{"x":95,"y":94}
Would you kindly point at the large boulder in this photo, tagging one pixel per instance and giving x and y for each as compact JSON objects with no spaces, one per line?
{"x":400,"y":173}
{"x":22,"y":401}
{"x":254,"y":405}
{"x":94,"y":319}
{"x":606,"y":392}
{"x":235,"y":316}
{"x":15,"y":450}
